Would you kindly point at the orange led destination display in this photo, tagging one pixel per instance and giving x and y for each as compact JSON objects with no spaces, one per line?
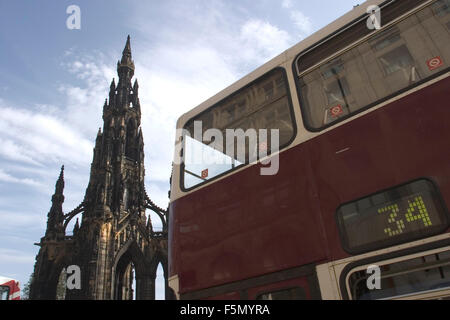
{"x":406,"y":213}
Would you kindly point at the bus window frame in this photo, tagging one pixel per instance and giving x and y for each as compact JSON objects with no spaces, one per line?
{"x":298,"y":75}
{"x":235,"y":93}
{"x":405,"y":254}
{"x":373,"y":247}
{"x":424,"y":267}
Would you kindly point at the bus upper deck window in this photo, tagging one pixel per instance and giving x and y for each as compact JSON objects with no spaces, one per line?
{"x":264,"y":104}
{"x":389,"y":61}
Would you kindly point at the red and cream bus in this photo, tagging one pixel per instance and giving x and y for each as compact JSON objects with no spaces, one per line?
{"x":9,"y":289}
{"x":363,"y":178}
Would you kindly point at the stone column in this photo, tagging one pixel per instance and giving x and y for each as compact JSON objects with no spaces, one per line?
{"x":145,"y":286}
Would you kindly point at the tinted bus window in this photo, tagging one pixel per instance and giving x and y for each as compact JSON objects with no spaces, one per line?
{"x":208,"y":150}
{"x":388,"y":62}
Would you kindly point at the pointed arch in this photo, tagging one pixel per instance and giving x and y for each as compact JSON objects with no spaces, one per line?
{"x":160,"y":258}
{"x":47,"y":282}
{"x":129,"y":259}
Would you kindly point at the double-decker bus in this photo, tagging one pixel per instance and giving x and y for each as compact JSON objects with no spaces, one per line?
{"x":9,"y":289}
{"x":357,"y":207}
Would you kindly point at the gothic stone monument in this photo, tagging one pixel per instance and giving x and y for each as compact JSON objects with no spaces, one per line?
{"x":114,"y":238}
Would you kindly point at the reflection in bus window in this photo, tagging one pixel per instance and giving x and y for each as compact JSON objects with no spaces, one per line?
{"x":397,"y":59}
{"x":419,"y":275}
{"x":332,"y":69}
{"x":262,"y":105}
{"x":441,"y":8}
{"x":337,"y":91}
{"x":215,"y":162}
{"x":386,"y":39}
{"x":391,"y":60}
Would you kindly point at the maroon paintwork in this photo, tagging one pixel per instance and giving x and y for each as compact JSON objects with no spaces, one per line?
{"x":248,"y":225}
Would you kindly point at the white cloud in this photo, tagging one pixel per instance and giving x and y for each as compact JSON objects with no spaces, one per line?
{"x":204,"y":49}
{"x":287,"y":4}
{"x":11,"y":151}
{"x":263,"y":40}
{"x":302,"y":22}
{"x":17,"y":220}
{"x":40,"y":138}
{"x":5,"y":177}
{"x":35,"y":140}
{"x":10,"y":256}
{"x":84,"y":102}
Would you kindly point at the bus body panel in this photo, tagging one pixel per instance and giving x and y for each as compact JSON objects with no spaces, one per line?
{"x":302,"y":284}
{"x":285,"y":59}
{"x":221,"y":238}
{"x":249,"y":225}
{"x":401,"y":142}
{"x":333,"y":276}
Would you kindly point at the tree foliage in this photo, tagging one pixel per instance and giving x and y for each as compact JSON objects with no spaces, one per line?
{"x":25,"y":294}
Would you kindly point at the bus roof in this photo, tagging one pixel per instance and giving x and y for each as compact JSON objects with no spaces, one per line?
{"x":6,"y":279}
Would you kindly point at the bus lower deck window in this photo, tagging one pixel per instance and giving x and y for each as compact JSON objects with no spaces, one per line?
{"x":399,"y":279}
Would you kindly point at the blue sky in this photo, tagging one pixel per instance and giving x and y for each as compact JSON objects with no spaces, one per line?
{"x":53,"y":82}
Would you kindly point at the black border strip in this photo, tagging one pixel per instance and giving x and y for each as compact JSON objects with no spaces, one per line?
{"x":293,"y":118}
{"x":373,"y":104}
{"x":364,"y":249}
{"x":379,"y":258}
